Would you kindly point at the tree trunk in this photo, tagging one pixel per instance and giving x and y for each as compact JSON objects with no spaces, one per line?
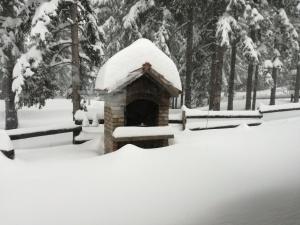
{"x":249,"y":86}
{"x":231,"y":76}
{"x":273,"y":89}
{"x":250,"y":74}
{"x":76,"y":80}
{"x":297,"y":84}
{"x":212,"y":77}
{"x":181,"y":99}
{"x":216,"y":78}
{"x":255,"y":88}
{"x":232,"y":70}
{"x":189,"y":57}
{"x":274,"y":75}
{"x":11,"y":116}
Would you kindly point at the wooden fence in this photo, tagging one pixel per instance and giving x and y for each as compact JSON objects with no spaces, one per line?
{"x":23,"y":133}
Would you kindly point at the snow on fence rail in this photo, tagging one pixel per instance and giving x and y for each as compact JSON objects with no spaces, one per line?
{"x":279,"y":108}
{"x":197,"y":119}
{"x":194,"y":126}
{"x":22,"y":133}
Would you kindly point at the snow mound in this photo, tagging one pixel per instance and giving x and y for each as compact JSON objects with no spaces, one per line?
{"x":133,"y":57}
{"x":5,"y":142}
{"x":96,"y":109}
{"x":219,"y":177}
{"x":243,"y":126}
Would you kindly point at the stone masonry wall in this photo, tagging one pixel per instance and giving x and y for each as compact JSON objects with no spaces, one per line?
{"x":114,"y":110}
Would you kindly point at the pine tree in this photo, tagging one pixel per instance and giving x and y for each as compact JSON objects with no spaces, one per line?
{"x":76,"y":80}
{"x":284,"y":38}
{"x":293,"y":10}
{"x":234,"y":8}
{"x":225,"y":29}
{"x":189,"y":56}
{"x":190,"y":45}
{"x":253,"y":20}
{"x":14,"y":24}
{"x":62,"y":33}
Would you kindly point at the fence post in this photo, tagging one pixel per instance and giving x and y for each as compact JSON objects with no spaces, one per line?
{"x":183,"y":120}
{"x":76,"y":132}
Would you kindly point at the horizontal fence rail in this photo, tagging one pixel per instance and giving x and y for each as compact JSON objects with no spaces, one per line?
{"x":18,"y":134}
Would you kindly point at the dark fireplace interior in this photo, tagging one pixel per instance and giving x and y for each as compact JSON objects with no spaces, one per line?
{"x":141,"y":112}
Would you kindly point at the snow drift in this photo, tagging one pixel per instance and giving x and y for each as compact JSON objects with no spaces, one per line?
{"x":246,"y":176}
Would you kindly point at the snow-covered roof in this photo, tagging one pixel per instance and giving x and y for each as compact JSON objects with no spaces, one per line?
{"x":118,"y":69}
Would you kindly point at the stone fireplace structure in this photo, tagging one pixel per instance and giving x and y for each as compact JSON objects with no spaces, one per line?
{"x":141,"y":98}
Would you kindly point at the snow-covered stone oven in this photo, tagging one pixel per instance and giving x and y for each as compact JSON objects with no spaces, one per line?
{"x":138,"y":83}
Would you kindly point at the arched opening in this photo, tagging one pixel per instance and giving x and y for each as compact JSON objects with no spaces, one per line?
{"x":141,"y":112}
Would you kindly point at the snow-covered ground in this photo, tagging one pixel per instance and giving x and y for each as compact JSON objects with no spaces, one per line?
{"x":55,"y":113}
{"x":59,"y":111}
{"x":239,"y":103}
{"x":241,"y":176}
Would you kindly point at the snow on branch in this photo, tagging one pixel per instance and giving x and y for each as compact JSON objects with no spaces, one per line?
{"x":10,"y":22}
{"x":82,"y":55}
{"x":253,"y":17}
{"x":7,"y":41}
{"x":277,"y":63}
{"x":225,"y":28}
{"x":99,"y":3}
{"x":61,"y":42}
{"x":138,"y":8}
{"x":42,"y":18}
{"x":162,"y":35}
{"x":249,"y":48}
{"x":64,"y":61}
{"x":288,"y":25}
{"x":235,"y":5}
{"x":268,"y":64}
{"x":23,"y":68}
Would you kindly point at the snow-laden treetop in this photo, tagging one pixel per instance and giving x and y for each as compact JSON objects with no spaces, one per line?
{"x":117,"y":69}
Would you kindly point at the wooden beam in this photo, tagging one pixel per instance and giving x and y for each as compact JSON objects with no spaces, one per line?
{"x":24,"y":135}
{"x":223,"y":127}
{"x":278,"y":110}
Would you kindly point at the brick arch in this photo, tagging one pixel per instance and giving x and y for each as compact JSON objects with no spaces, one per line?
{"x":143,"y":96}
{"x":141,"y":112}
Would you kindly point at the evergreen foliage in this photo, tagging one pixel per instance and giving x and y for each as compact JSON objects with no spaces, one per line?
{"x":217,"y":45}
